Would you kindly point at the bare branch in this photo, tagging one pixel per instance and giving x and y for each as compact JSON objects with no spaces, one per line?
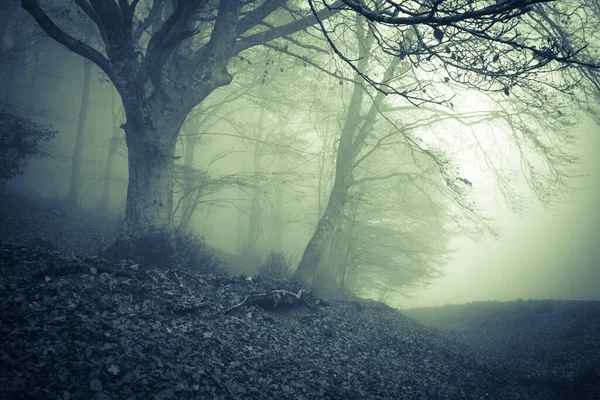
{"x":288,"y":29}
{"x":76,"y":46}
{"x":500,"y":11}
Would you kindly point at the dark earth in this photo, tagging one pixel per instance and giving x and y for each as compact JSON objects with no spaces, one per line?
{"x":76,"y":326}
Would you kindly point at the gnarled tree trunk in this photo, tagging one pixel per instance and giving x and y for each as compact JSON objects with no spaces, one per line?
{"x":161,"y":85}
{"x":151,"y":150}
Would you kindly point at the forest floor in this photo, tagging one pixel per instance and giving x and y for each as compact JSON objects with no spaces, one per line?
{"x":76,"y":326}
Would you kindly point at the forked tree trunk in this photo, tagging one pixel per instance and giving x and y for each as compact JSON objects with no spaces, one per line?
{"x":153,"y":121}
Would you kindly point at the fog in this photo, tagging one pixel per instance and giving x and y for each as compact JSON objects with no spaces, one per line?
{"x":267,"y":144}
{"x":543,"y":254}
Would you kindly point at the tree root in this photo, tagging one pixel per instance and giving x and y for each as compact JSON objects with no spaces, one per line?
{"x":275,"y":299}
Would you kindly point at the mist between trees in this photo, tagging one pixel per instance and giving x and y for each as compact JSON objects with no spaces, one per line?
{"x":357,"y":139}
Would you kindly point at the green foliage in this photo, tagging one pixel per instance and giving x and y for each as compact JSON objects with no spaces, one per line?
{"x":20,"y":140}
{"x":165,"y":249}
{"x":276,"y":266}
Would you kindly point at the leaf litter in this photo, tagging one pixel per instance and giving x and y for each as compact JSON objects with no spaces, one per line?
{"x":149,"y":334}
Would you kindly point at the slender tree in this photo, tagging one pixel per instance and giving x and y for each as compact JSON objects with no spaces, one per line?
{"x":475,"y":44}
{"x":73,"y":194}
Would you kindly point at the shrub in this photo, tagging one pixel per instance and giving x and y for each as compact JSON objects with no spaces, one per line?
{"x":276,"y":266}
{"x":20,"y":140}
{"x":165,"y":249}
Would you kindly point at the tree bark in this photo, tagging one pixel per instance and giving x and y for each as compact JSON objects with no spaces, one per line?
{"x":73,"y":194}
{"x":151,"y":151}
{"x":309,"y":264}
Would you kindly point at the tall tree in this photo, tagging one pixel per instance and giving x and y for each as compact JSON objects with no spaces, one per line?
{"x":164,"y":61}
{"x":164,"y":58}
{"x":355,"y":129}
{"x":19,"y":52}
{"x":475,"y":44}
{"x":73,"y":194}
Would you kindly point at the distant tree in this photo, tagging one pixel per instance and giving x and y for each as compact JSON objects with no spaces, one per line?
{"x":8,"y":10}
{"x":20,"y":140}
{"x":114,"y":141}
{"x":73,"y":193}
{"x":19,"y":49}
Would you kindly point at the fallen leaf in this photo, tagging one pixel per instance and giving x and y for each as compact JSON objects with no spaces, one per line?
{"x":113,"y":369}
{"x":96,"y":385}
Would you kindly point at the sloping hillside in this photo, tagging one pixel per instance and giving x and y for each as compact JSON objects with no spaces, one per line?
{"x":77,"y":231}
{"x":78,"y":327}
{"x":550,"y":345}
{"x":79,"y":332}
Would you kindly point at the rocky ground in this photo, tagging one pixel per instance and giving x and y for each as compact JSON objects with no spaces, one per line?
{"x":76,"y":326}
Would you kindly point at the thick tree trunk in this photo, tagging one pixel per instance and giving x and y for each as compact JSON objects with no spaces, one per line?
{"x":150,"y":190}
{"x":73,"y":194}
{"x":151,"y":133}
